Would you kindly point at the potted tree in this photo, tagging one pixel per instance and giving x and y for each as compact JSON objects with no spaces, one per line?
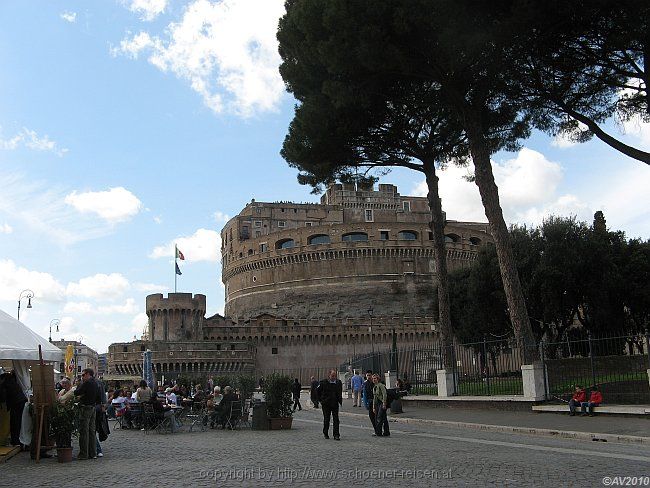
{"x":277,"y":393}
{"x":63,"y":425}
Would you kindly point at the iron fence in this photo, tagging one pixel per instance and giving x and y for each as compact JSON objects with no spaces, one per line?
{"x":619,"y":364}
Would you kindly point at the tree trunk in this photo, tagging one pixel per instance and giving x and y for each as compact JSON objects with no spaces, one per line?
{"x":484,"y":179}
{"x":437,"y":226}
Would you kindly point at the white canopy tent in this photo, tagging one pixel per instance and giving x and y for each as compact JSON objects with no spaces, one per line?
{"x":19,"y":344}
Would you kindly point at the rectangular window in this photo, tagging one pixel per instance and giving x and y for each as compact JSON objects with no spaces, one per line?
{"x":232,"y":347}
{"x":383,"y":235}
{"x":282,"y":223}
{"x":274,"y":350}
{"x":369,"y":215}
{"x":407,"y":206}
{"x":309,"y":224}
{"x":257,"y":223}
{"x":218,"y":347}
{"x":258,"y":210}
{"x":264,"y":247}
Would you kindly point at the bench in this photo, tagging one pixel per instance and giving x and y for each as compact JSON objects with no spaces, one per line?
{"x":613,"y":409}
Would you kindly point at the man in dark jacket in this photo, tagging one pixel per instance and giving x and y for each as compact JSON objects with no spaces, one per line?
{"x":314,"y":391}
{"x":368,"y":397}
{"x":330,"y":395}
{"x":296,"y":389}
{"x":15,"y":399}
{"x":90,"y":397}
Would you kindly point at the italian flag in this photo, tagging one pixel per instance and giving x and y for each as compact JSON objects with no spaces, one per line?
{"x":179,"y":254}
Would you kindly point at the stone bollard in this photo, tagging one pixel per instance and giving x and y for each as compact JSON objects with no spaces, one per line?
{"x":446,"y":383}
{"x":532,"y":376}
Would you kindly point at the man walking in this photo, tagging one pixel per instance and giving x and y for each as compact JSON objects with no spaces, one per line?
{"x":330,"y":395}
{"x":357,"y":389}
{"x":90,"y":396}
{"x":296,"y":389}
{"x":314,"y":391}
{"x":368,"y":386}
{"x":380,"y":406}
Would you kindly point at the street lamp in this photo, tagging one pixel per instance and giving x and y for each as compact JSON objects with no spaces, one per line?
{"x":27,"y":293}
{"x":55,"y":322}
{"x":372,"y":340}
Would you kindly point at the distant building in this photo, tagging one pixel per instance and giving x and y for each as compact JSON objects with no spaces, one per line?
{"x":101,"y":365}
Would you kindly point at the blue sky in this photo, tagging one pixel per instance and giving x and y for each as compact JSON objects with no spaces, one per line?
{"x":129,"y":125}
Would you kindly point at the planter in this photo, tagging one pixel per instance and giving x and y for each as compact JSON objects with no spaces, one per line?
{"x":282,"y":423}
{"x":64,"y":454}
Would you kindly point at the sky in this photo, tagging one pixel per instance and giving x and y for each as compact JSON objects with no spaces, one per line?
{"x":129,"y":126}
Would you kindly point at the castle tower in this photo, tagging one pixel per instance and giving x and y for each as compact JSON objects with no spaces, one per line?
{"x":360,"y":250}
{"x":179,"y":317}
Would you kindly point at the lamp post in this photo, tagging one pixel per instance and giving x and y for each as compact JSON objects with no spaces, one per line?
{"x":372,"y":340}
{"x":55,"y":322}
{"x":27,"y":293}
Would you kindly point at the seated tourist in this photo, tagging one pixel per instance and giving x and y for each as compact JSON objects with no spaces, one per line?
{"x":170,"y":397}
{"x":143,"y":393}
{"x":165,"y":411}
{"x":579,"y":396}
{"x":595,"y":399}
{"x":223,"y":409}
{"x":217,"y":396}
{"x":67,"y":390}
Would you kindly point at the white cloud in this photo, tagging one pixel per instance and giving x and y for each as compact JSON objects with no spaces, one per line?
{"x":150,"y":287}
{"x":31,"y":140}
{"x":101,"y":286}
{"x":41,"y":208}
{"x":157,"y":219}
{"x":203,"y":245}
{"x":148,"y":9}
{"x":14,"y":279}
{"x":138,"y":43}
{"x":115,"y":205}
{"x":139,"y":323}
{"x":69,"y":17}
{"x":527,"y":190}
{"x":638,"y":130}
{"x":6,"y":229}
{"x":86,"y":308}
{"x":221,"y":217}
{"x":227,"y":51}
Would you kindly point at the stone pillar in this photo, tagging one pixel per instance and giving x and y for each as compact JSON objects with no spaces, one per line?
{"x":649,"y":377}
{"x":532,"y":376}
{"x":391,"y":379}
{"x":446,"y":383}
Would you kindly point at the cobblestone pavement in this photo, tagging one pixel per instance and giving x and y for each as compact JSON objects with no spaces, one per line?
{"x":414,"y":455}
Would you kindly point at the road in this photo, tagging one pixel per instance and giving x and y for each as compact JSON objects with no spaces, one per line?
{"x":414,"y":455}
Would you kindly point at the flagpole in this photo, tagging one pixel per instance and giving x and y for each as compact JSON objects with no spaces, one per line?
{"x":175,"y":266}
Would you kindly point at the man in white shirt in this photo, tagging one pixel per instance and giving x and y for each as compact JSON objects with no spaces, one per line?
{"x":170,"y":397}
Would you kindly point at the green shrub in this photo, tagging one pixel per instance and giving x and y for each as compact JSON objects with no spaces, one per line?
{"x":277,"y":393}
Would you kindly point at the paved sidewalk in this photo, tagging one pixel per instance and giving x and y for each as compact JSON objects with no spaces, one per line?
{"x":622,"y":429}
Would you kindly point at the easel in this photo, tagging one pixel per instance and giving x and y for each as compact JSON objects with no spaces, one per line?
{"x":43,"y":387}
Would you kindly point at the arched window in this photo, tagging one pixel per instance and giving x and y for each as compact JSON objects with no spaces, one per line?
{"x":407,"y":235}
{"x":250,"y":252}
{"x":452,"y":238}
{"x":475,"y":241}
{"x":319,"y":239}
{"x":355,"y":236}
{"x":285,"y":244}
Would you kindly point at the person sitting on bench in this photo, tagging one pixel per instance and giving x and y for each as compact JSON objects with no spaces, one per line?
{"x":579,"y":396}
{"x":595,"y":399}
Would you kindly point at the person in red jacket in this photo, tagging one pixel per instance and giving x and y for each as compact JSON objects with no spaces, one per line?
{"x":595,"y":399}
{"x":579,"y":396}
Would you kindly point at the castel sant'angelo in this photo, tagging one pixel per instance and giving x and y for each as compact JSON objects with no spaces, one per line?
{"x":307,"y":286}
